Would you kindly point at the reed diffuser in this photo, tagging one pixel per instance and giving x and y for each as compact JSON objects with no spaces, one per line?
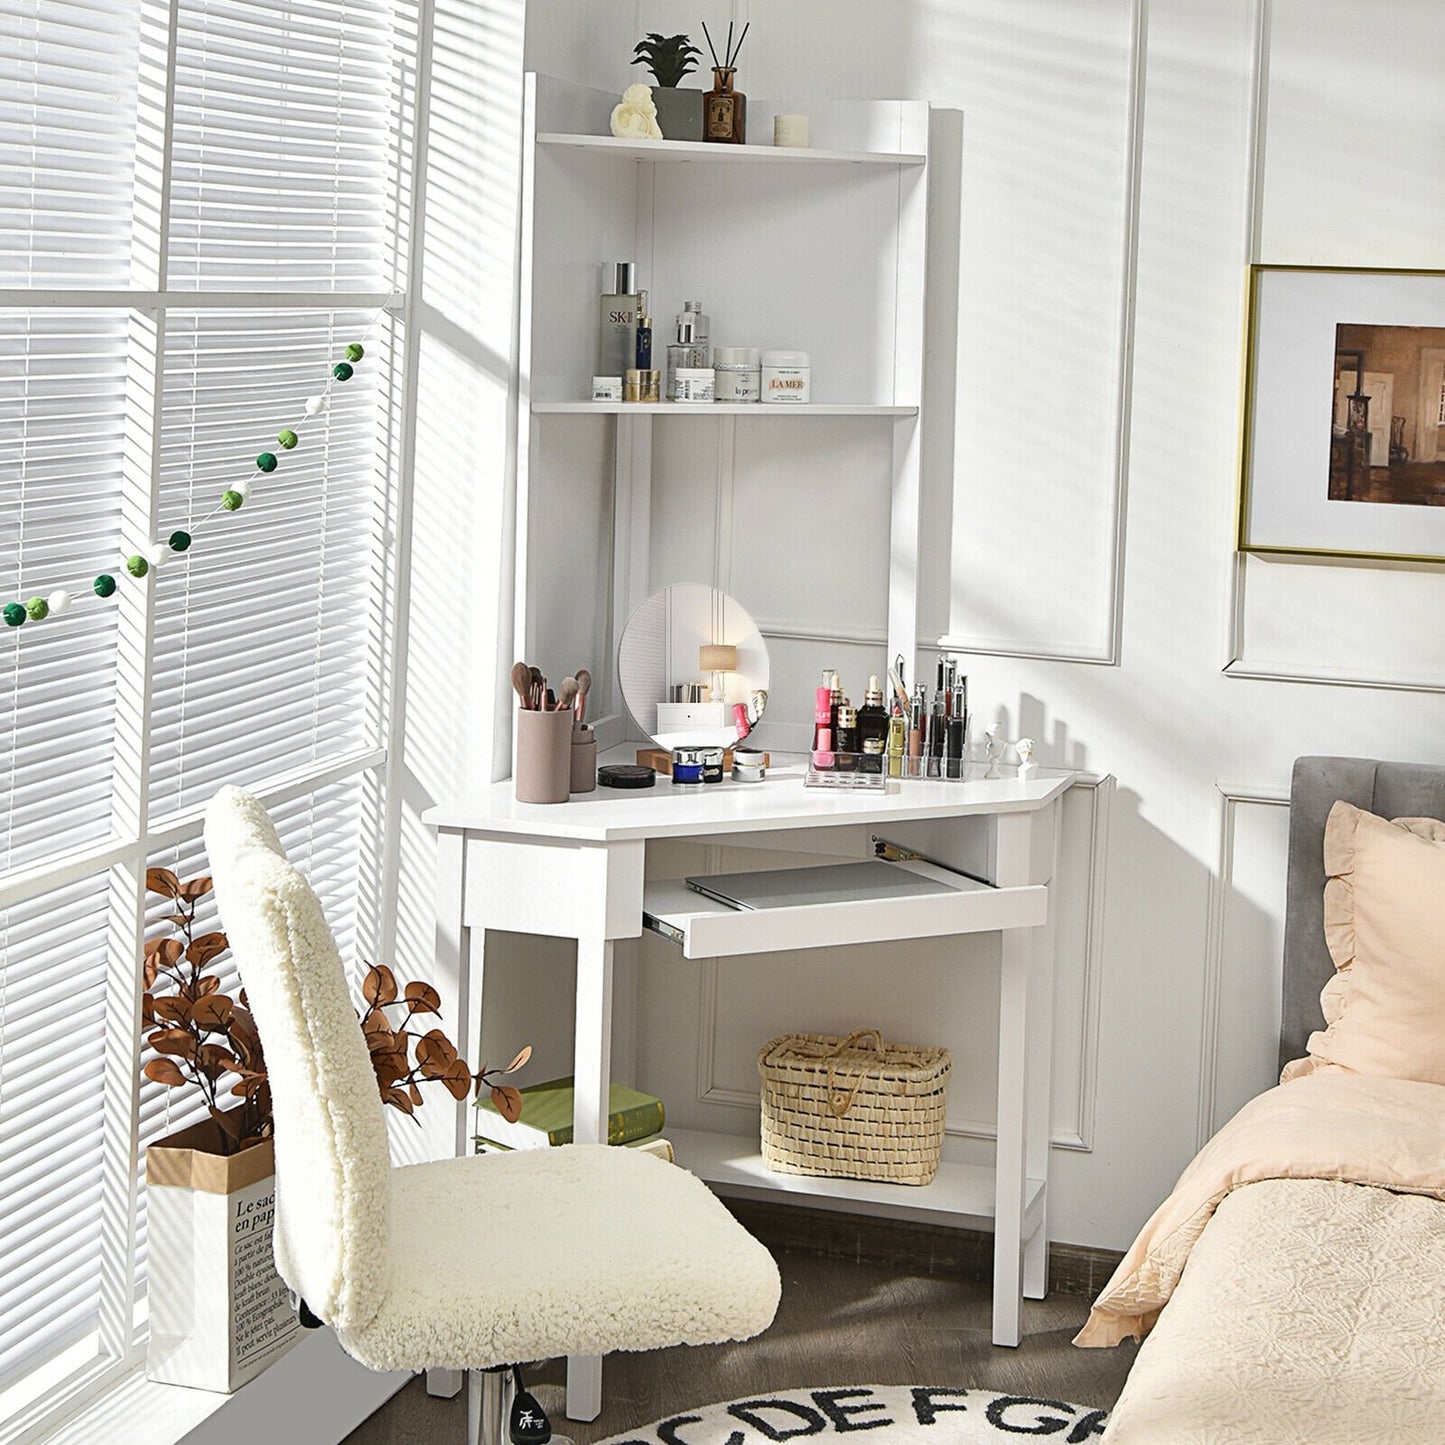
{"x":725,"y":109}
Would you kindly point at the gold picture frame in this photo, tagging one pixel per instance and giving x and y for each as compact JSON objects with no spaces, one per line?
{"x":1342,"y":449}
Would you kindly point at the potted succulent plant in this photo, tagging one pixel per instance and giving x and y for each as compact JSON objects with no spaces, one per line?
{"x":219,"y":1312}
{"x":670,"y":58}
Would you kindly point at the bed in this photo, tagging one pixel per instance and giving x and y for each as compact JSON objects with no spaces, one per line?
{"x":1292,"y":1287}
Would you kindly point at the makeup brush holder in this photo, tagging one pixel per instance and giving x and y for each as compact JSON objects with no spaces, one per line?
{"x":584,"y":760}
{"x":544,"y":756}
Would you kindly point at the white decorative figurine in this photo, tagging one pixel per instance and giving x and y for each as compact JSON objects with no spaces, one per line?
{"x":634,"y":117}
{"x":1025,"y":749}
{"x":994,"y":748}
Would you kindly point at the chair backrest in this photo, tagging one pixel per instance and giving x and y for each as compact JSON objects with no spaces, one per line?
{"x":332,"y":1161}
{"x":1390,"y":790}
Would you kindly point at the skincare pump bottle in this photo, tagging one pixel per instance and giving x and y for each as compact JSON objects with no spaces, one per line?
{"x":643,"y":349}
{"x":617,"y":312}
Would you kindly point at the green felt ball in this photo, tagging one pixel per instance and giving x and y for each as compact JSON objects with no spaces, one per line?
{"x":104,"y":585}
{"x":38,"y":609}
{"x":232,"y":501}
{"x":287,"y":438}
{"x":15,"y":615}
{"x":180,"y":541}
{"x":341,"y":371}
{"x":266,"y":462}
{"x":137,"y":565}
{"x":355,"y":351}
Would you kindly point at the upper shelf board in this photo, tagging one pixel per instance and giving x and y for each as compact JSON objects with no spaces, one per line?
{"x":690,"y":150}
{"x":721,"y":408}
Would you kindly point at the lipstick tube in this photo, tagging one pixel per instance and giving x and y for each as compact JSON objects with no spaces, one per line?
{"x":937,"y":731}
{"x":915,"y":727}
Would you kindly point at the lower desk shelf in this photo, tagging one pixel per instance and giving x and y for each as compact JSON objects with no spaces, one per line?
{"x":962,"y":1195}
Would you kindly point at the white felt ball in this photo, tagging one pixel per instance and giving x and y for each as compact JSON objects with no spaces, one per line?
{"x":244,"y":487}
{"x":315,"y":404}
{"x":157,"y":554}
{"x":59,"y":601}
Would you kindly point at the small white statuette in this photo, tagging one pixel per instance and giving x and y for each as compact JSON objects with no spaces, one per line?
{"x":1025,"y":749}
{"x":994,"y":747}
{"x":634,"y":117}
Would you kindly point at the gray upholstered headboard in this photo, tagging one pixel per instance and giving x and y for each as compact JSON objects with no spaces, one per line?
{"x":1391,"y":790}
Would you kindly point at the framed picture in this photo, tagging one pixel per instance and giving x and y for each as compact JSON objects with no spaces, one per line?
{"x":1344,"y":420}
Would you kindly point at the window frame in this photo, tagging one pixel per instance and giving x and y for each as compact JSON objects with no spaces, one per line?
{"x":57,"y":1389}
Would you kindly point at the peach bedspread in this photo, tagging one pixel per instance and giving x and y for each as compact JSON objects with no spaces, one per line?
{"x":1331,"y":1125}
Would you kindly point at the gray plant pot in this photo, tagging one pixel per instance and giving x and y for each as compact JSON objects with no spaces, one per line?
{"x":679,"y":112}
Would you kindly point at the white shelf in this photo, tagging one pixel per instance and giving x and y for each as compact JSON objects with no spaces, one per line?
{"x":962,"y":1195}
{"x":685,"y":151}
{"x":716,"y":408}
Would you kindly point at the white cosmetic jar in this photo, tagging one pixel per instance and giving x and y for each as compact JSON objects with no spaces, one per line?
{"x":693,"y":384}
{"x":787,"y":376}
{"x":737,"y":372}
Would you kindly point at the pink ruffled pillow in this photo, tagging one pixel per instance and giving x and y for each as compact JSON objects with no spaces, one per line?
{"x":1385,"y":929}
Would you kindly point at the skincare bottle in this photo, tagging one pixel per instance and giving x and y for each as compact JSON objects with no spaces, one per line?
{"x":617,"y":319}
{"x":845,"y":740}
{"x":643,"y":347}
{"x":689,"y":350}
{"x":872,"y":716}
{"x":835,"y":702}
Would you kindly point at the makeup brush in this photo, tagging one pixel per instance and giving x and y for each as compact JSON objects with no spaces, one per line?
{"x":584,"y":686}
{"x":522,"y":682}
{"x":568,"y":695}
{"x":538,"y":685}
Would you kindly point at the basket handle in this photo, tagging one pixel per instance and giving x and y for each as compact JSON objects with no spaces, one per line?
{"x":839,"y":1101}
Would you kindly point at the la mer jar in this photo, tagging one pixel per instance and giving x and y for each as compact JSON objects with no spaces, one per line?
{"x":787,"y":376}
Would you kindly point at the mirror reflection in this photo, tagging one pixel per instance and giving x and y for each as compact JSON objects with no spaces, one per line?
{"x":690,"y":657}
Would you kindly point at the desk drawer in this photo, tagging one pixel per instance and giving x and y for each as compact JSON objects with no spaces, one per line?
{"x":708,"y":929}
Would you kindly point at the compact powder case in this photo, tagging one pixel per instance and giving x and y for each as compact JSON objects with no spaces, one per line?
{"x":625,"y":775}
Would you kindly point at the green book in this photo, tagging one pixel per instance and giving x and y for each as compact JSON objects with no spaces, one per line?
{"x":547,"y":1116}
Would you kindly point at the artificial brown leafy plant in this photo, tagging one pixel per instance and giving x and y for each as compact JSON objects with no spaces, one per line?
{"x":201,"y":1035}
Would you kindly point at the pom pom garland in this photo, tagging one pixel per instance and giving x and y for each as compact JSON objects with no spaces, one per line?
{"x":156,"y":554}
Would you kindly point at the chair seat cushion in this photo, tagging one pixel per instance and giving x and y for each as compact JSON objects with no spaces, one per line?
{"x":547,"y":1252}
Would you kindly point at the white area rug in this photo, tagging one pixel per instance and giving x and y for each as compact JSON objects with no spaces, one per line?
{"x":894,"y":1414}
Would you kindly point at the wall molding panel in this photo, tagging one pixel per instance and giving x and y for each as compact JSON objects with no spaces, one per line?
{"x":1230,"y":802}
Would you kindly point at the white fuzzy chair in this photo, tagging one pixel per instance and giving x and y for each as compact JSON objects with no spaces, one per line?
{"x":470,"y":1263}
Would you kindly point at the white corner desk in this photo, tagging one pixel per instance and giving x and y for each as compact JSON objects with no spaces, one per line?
{"x":575,"y":870}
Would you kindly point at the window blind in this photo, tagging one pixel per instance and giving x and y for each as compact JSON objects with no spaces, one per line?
{"x":52,"y":1005}
{"x":281,"y":130}
{"x":68,"y":72}
{"x":258,"y":663}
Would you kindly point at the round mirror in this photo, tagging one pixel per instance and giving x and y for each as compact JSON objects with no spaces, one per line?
{"x":689,"y":657}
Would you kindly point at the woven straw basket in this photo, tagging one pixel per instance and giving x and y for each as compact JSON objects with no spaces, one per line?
{"x":855,"y":1108}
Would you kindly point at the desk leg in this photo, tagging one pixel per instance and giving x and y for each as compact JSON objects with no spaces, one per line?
{"x":592,"y":1067}
{"x":1038,"y":1125}
{"x":1012,"y":864}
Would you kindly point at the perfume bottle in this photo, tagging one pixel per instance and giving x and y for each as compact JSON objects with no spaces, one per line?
{"x":643,"y":347}
{"x":617,"y":319}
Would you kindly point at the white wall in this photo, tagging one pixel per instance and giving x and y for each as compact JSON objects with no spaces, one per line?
{"x":1094,"y":583}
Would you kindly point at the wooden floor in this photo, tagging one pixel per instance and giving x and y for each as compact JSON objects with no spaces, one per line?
{"x":841,"y":1322}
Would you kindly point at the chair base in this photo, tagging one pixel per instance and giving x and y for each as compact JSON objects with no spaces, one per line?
{"x":489,"y":1406}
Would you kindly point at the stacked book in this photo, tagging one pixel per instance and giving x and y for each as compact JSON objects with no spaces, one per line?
{"x":634,"y":1120}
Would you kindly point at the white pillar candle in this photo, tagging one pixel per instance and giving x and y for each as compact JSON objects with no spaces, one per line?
{"x":790,"y":130}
